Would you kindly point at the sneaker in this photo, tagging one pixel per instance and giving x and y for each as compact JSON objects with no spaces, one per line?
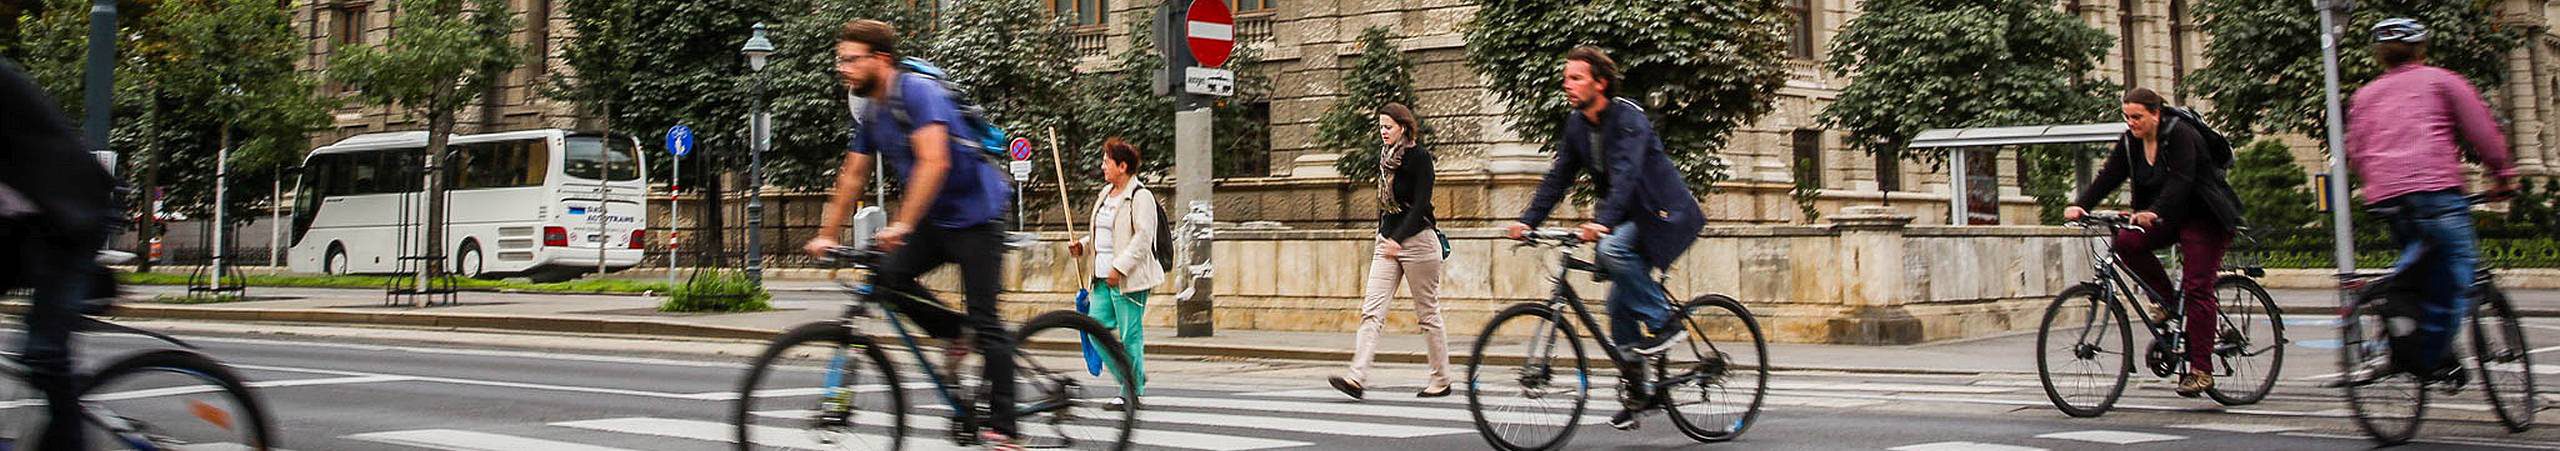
{"x":1663,"y":338}
{"x":1349,"y":387}
{"x":997,"y":441}
{"x":1625,"y":420}
{"x":1118,"y":405}
{"x":2195,"y":384}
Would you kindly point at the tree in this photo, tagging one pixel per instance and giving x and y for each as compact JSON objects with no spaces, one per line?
{"x":1123,"y":103}
{"x":1011,"y":55}
{"x":1915,"y":65}
{"x":446,"y":54}
{"x":1702,"y":70}
{"x":2273,"y":187}
{"x":1382,"y":74}
{"x":2264,"y":74}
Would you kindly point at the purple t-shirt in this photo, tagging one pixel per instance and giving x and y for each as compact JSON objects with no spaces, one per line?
{"x":2405,"y":130}
{"x":973,"y":192}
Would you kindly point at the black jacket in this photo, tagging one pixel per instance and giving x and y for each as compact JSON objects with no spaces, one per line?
{"x":1413,"y":190}
{"x":1641,"y":183}
{"x":43,"y":157}
{"x":2181,"y":186}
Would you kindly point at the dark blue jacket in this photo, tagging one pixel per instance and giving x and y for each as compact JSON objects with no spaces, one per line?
{"x":1642,"y":185}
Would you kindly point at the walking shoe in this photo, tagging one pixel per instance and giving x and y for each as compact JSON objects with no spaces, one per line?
{"x":1625,"y":420}
{"x":997,"y":441}
{"x":1430,"y":392}
{"x":1349,"y":387}
{"x":2195,"y":384}
{"x":1119,"y":404}
{"x":1663,"y":338}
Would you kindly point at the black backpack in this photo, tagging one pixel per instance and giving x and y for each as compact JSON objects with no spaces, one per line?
{"x":2217,"y":148}
{"x":1164,"y":237}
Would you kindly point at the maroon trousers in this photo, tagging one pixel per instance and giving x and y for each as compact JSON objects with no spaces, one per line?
{"x":2201,"y":242}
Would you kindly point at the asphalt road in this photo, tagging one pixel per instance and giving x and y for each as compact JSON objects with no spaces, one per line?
{"x":333,"y":388}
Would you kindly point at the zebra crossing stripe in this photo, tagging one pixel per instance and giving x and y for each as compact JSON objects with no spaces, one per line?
{"x":2240,"y":428}
{"x":1302,"y":425}
{"x":1149,"y":437}
{"x":459,"y":440}
{"x":1963,"y":446}
{"x":217,"y":447}
{"x":1418,"y":413}
{"x":2112,"y":437}
{"x":727,"y":433}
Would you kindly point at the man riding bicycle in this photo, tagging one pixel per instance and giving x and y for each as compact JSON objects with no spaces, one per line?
{"x":1645,"y":210}
{"x":2405,"y":134}
{"x":54,"y":220}
{"x":951,"y":209}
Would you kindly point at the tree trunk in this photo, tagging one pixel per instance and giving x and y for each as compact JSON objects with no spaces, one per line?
{"x":439,"y":131}
{"x":713,"y":225}
{"x":150,"y":163}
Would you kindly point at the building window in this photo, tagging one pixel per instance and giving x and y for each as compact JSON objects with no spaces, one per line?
{"x":1243,"y":7}
{"x":2178,"y":34}
{"x":1801,"y":26}
{"x":1249,"y":155}
{"x":2126,"y":43}
{"x":1889,"y":170}
{"x":1808,"y":150}
{"x":1082,"y":13}
{"x":346,"y":30}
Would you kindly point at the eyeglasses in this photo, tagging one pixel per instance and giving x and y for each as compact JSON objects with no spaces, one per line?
{"x":857,"y":58}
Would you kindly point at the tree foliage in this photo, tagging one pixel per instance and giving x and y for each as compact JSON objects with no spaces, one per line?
{"x":444,"y":56}
{"x":1381,"y":75}
{"x":2265,"y":71}
{"x":1122,"y":102}
{"x":1702,"y":70}
{"x":2273,"y":187}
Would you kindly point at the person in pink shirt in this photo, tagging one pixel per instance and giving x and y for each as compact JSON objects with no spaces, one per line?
{"x":2406,"y":132}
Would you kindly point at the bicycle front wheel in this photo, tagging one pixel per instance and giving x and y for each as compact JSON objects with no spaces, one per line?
{"x":2084,"y":352}
{"x":2388,"y":408}
{"x":854,"y":402}
{"x":2250,"y":345}
{"x":2504,"y":361}
{"x":1534,"y":403}
{"x":1063,"y":404}
{"x":1715,"y":387}
{"x":173,"y":399}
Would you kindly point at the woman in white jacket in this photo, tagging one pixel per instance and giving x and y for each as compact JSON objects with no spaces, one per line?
{"x":1124,"y":256}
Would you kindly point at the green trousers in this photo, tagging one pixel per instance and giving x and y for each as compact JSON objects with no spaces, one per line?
{"x":1125,"y":313}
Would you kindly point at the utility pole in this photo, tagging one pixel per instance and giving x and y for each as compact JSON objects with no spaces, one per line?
{"x":2342,"y":224}
{"x":96,"y":101}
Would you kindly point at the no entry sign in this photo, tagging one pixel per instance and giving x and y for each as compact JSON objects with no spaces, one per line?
{"x":1212,"y":32}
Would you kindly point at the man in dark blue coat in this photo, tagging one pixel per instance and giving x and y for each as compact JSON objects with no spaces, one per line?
{"x":1646,"y":212}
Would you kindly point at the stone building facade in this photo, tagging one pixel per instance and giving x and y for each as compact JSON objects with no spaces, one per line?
{"x":1488,"y":171}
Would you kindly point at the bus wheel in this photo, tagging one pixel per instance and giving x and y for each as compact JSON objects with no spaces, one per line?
{"x":335,"y":263}
{"x":468,"y":262}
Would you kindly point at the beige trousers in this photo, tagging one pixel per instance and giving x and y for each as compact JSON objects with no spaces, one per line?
{"x":1418,"y":266}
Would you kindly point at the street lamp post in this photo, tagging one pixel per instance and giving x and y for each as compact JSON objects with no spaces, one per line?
{"x":760,"y":133}
{"x":101,"y":81}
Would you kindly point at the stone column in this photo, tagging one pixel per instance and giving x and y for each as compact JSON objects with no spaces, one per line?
{"x":1872,"y":292}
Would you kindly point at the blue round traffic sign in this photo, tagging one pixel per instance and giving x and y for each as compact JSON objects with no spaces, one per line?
{"x":679,"y":140}
{"x":1019,"y":149}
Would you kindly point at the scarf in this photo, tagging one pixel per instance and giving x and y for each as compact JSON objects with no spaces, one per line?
{"x":1390,"y":160}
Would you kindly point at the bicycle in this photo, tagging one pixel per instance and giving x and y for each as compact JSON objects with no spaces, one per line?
{"x":2391,"y":407}
{"x":1707,"y":407}
{"x":218,"y":410}
{"x":853,"y":398}
{"x":2243,"y":344}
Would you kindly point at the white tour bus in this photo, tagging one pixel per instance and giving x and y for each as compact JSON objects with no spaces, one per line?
{"x":537,"y":203}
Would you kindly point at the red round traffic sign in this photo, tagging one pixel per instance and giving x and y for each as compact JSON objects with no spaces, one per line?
{"x":1212,"y":32}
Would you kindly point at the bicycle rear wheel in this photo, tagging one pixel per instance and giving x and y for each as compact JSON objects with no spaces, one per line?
{"x":2250,"y":345}
{"x":855,"y":402}
{"x":2084,"y":352}
{"x":1535,"y":403}
{"x":173,"y":399}
{"x":1064,"y":406}
{"x":2391,"y":407}
{"x":2503,"y":359}
{"x":1713,"y":389}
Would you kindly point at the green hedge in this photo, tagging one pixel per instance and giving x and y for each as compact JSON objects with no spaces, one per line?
{"x":589,"y":286}
{"x":718,"y":291}
{"x":2313,"y":248}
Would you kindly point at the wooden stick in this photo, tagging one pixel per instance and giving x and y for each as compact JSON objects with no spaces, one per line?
{"x":1066,"y":206}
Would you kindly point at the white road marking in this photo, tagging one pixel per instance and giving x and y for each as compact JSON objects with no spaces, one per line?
{"x":2112,"y":437}
{"x":1418,"y":413}
{"x":1963,"y":446}
{"x":204,"y":388}
{"x":2239,"y":427}
{"x":1149,"y":437}
{"x":727,"y":433}
{"x":804,"y":391}
{"x":217,"y":447}
{"x":2436,"y":440}
{"x":457,"y":440}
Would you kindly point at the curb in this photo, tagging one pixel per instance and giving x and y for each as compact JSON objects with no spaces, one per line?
{"x":2332,"y":311}
{"x":554,"y":324}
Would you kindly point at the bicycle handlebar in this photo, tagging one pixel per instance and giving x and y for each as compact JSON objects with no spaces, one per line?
{"x":2108,"y":219}
{"x":1551,"y":237}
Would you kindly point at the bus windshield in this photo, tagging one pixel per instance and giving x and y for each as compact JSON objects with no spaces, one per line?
{"x":588,"y":159}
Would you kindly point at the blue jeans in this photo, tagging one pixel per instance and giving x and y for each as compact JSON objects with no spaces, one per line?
{"x":2439,"y":252}
{"x":1633,"y":292}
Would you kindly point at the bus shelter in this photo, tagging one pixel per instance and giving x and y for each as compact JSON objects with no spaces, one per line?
{"x":1973,"y":158}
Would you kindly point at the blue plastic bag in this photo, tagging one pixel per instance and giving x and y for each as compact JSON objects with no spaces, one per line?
{"x":1092,"y":359}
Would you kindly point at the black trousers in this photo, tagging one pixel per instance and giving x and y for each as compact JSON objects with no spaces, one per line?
{"x":979,"y":250}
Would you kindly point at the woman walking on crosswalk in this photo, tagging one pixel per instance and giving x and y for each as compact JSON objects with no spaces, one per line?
{"x":1410,"y":250}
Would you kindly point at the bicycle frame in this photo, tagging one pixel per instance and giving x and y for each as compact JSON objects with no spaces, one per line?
{"x":2116,"y":283}
{"x":122,"y":430}
{"x":1563,"y":294}
{"x":945,"y":389}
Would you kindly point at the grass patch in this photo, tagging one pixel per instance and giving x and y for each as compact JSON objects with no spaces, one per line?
{"x":718,"y":291}
{"x":592,"y":286}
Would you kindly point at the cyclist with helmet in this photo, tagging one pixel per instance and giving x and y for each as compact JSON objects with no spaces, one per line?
{"x":2405,"y":134}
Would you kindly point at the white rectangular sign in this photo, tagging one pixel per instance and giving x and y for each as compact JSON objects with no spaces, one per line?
{"x":1209,"y":81}
{"x":1022,"y":171}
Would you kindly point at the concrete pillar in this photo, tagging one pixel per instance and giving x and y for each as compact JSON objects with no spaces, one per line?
{"x":1872,"y":275}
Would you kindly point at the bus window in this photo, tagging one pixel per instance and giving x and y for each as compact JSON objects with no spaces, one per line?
{"x":506,"y":164}
{"x":588,"y":159}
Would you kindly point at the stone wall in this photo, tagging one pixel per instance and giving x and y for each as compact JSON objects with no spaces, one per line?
{"x":1865,"y":278}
